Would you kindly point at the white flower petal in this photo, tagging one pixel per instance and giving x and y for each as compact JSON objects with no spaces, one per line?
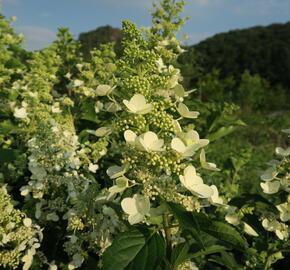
{"x":136,"y":218}
{"x":215,"y":199}
{"x":93,"y":167}
{"x":129,"y":206}
{"x":191,"y":177}
{"x":207,"y":165}
{"x":138,"y":105}
{"x":116,"y":171}
{"x":269,"y":174}
{"x":270,"y":187}
{"x":249,"y":230}
{"x":184,"y":111}
{"x":130,"y":136}
{"x":150,"y":142}
{"x":20,"y":113}
{"x":232,"y":219}
{"x":178,"y":145}
{"x":104,"y":89}
{"x":142,"y":204}
{"x":282,"y":152}
{"x":201,"y":190}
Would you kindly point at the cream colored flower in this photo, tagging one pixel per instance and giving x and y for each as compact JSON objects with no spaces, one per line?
{"x":20,"y":112}
{"x":137,"y":208}
{"x":138,"y":105}
{"x":194,"y":183}
{"x":185,"y":112}
{"x":207,"y":165}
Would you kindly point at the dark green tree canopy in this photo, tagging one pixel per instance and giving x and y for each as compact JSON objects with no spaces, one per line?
{"x":261,"y":50}
{"x":101,"y":35}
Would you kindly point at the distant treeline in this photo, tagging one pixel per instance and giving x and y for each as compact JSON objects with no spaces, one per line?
{"x":104,"y":34}
{"x":261,"y":50}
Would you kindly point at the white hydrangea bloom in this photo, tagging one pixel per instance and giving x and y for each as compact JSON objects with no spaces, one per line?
{"x":137,"y":208}
{"x":215,"y":199}
{"x":284,"y":210}
{"x":147,"y":141}
{"x":194,"y":183}
{"x":138,"y":104}
{"x":188,"y":143}
{"x":150,"y":142}
{"x":20,"y":112}
{"x":93,"y":167}
{"x":104,"y":90}
{"x":207,"y":165}
{"x":185,"y":112}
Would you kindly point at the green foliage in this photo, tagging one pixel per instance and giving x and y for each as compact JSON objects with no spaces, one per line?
{"x":198,"y":223}
{"x":135,"y":249}
{"x":106,"y":154}
{"x":251,"y":91}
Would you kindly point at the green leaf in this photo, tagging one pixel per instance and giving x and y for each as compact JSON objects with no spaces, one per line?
{"x":7,"y":127}
{"x":223,"y":131}
{"x":227,"y":260}
{"x":224,"y":232}
{"x":186,"y":221}
{"x":150,"y":255}
{"x":259,"y":203}
{"x":199,"y":222}
{"x":208,"y":251}
{"x":135,"y":249}
{"x":88,"y":112}
{"x":8,"y":155}
{"x":179,"y":254}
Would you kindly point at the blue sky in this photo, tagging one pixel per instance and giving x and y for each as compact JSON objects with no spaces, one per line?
{"x":38,"y":20}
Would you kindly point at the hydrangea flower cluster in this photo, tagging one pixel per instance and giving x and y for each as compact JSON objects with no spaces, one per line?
{"x":276,"y":180}
{"x":61,"y":184}
{"x":158,"y":158}
{"x":106,"y":144}
{"x":19,"y":237}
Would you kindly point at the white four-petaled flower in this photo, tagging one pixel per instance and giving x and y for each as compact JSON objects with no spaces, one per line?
{"x":187,"y":143}
{"x":20,"y":112}
{"x":150,"y":142}
{"x":270,"y":187}
{"x":207,"y":165}
{"x":284,"y":210}
{"x":138,"y":104}
{"x":104,"y":90}
{"x":137,"y":208}
{"x":215,"y":199}
{"x":280,"y":229}
{"x":147,"y":141}
{"x":194,"y":183}
{"x":185,"y":112}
